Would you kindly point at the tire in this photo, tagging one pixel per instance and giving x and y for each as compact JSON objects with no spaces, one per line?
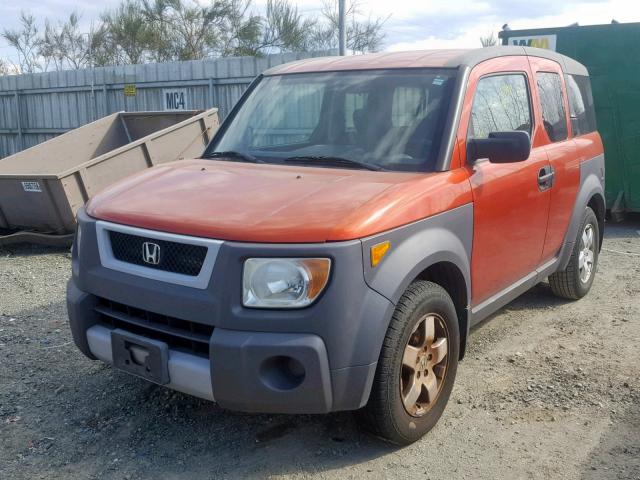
{"x":570,"y":283}
{"x":386,"y":415}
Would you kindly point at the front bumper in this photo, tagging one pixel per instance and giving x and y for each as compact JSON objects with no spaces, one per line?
{"x":245,"y":371}
{"x":334,"y":344}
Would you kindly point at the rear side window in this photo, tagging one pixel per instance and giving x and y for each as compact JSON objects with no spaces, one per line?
{"x":581,"y":110}
{"x":501,"y":104}
{"x":552,"y":103}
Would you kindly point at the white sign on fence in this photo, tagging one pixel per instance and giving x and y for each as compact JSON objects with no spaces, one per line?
{"x":174,"y":98}
{"x":31,"y":187}
{"x":538,"y":41}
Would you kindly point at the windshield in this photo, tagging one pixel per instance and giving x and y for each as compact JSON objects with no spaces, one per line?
{"x":383,"y":119}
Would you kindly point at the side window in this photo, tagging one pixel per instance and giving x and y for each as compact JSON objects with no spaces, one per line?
{"x":583,"y":117}
{"x":501,"y":104}
{"x":552,"y":103}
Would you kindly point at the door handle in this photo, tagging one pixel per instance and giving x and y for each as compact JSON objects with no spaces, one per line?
{"x":546,"y":176}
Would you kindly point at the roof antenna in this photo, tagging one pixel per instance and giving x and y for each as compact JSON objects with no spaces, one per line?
{"x":506,"y":27}
{"x":614,"y":21}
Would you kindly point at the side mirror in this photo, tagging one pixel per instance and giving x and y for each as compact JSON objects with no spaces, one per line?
{"x":500,"y":147}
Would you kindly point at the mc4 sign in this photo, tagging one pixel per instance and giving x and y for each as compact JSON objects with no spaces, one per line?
{"x":537,"y":41}
{"x":174,"y":98}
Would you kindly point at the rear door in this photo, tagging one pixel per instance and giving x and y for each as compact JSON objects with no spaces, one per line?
{"x":510,"y":208}
{"x":551,"y":94}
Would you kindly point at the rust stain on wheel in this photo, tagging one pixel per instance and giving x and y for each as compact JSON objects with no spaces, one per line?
{"x":424,"y":365}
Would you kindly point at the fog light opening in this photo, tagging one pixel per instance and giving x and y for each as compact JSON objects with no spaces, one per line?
{"x":282,"y":373}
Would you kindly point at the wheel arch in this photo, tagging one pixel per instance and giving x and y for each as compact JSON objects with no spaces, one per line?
{"x":437,"y":249}
{"x":590,"y":194}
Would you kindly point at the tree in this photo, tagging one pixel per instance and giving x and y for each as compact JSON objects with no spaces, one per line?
{"x":125,"y":36}
{"x":141,"y":31}
{"x":240,"y":31}
{"x":52,"y":46}
{"x":364,"y":35}
{"x":489,"y":40}
{"x":195,"y":31}
{"x":284,"y":29}
{"x":76,"y":49}
{"x":64,"y":45}
{"x":26,"y":40}
{"x":104,"y":51}
{"x":138,"y":31}
{"x":4,"y":68}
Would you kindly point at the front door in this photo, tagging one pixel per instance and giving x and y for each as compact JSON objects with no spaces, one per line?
{"x":511,"y":202}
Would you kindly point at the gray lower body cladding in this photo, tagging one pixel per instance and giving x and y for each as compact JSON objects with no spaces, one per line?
{"x":335,"y":342}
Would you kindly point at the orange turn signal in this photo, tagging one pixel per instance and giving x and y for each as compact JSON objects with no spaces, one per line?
{"x":318,"y":271}
{"x":378,"y":252}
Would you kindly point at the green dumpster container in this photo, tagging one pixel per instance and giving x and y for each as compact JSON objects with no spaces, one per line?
{"x":611,"y":53}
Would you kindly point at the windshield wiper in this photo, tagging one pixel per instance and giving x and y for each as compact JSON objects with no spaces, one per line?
{"x":233,"y":155}
{"x":333,"y":162}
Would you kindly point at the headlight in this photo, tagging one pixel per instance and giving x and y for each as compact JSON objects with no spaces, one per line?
{"x":283,"y":282}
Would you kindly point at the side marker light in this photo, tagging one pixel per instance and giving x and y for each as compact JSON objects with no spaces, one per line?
{"x":378,"y":252}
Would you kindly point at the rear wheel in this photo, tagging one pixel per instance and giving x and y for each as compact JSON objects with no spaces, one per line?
{"x":575,"y":281}
{"x":417,"y":365}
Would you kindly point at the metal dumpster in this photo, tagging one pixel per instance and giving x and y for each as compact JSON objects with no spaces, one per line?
{"x":611,"y":54}
{"x":42,"y":187}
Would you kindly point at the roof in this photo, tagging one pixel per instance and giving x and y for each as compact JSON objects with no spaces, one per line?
{"x":453,"y":58}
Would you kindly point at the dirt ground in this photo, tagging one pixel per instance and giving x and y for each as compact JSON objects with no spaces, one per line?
{"x":549,"y":389}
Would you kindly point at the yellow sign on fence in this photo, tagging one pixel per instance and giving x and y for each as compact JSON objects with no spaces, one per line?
{"x":538,"y":41}
{"x":130,"y":90}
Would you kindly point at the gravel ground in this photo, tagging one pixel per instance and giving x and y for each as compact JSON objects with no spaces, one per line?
{"x":549,"y":389}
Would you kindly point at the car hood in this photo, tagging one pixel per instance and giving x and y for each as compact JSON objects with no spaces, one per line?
{"x":257,"y":202}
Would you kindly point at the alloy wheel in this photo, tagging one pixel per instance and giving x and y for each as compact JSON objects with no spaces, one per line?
{"x":424,"y":365}
{"x":586,"y":257}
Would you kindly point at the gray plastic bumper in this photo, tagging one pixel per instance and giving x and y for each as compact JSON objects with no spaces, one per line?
{"x":270,"y":372}
{"x":252,"y":372}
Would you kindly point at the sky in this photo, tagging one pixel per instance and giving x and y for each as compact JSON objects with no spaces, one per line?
{"x":410,"y":24}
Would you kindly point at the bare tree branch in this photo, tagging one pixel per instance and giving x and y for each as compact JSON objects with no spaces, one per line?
{"x":26,"y":41}
{"x":489,"y":40}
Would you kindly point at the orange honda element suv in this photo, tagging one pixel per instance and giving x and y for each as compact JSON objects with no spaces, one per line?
{"x":350,"y":221}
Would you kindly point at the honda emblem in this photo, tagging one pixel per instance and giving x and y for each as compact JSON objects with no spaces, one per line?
{"x":151,"y":253}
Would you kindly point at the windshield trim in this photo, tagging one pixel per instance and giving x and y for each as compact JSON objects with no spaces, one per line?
{"x":451,"y":116}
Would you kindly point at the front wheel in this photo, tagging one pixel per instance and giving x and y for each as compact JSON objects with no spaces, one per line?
{"x":417,"y":365}
{"x":575,"y":281}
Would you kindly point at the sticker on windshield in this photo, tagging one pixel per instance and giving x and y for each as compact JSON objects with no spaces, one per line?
{"x":438,"y":81}
{"x":31,"y":187}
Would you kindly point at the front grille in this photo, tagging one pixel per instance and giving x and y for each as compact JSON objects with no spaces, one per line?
{"x":174,"y":257}
{"x":179,"y":334}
